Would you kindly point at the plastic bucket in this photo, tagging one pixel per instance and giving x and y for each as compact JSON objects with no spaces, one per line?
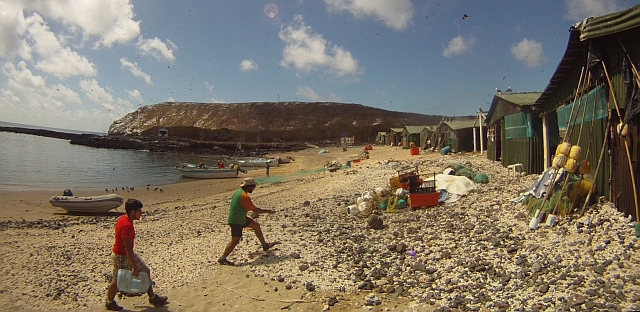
{"x":550,"y":220}
{"x":533,"y":224}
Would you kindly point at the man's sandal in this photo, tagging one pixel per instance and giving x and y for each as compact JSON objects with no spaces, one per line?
{"x":225,"y":262}
{"x":268,"y":246}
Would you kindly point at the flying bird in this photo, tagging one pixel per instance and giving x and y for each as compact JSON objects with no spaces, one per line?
{"x":464,"y":16}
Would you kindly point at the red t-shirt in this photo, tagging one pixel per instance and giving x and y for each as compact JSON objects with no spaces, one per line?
{"x":124,"y":229}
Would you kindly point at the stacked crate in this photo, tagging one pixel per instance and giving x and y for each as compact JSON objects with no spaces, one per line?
{"x":423,"y":193}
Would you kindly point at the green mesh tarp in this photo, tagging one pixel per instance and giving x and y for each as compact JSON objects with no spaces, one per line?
{"x":517,"y":126}
{"x":594,"y":97}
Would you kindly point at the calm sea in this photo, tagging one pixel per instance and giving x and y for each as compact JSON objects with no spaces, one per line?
{"x":29,"y":162}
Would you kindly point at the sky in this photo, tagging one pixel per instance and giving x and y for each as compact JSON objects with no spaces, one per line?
{"x":80,"y":65}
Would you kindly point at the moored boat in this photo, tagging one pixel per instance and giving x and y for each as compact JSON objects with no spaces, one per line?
{"x":252,"y":162}
{"x":204,"y":172}
{"x":87,"y":204}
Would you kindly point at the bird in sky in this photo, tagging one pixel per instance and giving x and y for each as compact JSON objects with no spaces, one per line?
{"x":464,"y":16}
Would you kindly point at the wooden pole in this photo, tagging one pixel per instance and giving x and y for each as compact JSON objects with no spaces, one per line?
{"x":595,"y":175}
{"x":555,"y":174}
{"x":564,"y":185}
{"x":626,"y":145}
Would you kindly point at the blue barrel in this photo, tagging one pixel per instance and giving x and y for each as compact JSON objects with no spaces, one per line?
{"x":446,"y":150}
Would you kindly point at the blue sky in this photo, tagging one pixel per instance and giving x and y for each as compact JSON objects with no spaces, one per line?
{"x":80,"y":65}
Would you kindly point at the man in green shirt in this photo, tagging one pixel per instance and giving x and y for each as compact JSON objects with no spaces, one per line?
{"x":238,"y":219}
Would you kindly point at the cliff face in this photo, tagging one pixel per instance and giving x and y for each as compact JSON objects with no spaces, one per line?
{"x":289,"y":121}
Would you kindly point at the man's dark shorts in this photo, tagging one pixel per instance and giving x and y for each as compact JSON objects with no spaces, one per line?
{"x":236,"y":229}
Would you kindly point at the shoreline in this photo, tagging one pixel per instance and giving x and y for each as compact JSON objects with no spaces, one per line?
{"x":476,"y":253}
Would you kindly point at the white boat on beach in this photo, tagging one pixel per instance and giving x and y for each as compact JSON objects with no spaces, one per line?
{"x":87,"y":204}
{"x":204,"y":172}
{"x":252,"y":162}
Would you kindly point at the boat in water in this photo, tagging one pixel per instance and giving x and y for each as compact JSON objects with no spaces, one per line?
{"x":252,"y":162}
{"x":87,"y":204}
{"x":205,"y":172}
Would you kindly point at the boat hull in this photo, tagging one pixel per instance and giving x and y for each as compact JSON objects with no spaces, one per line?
{"x":87,"y":204}
{"x":249,"y":162}
{"x":208,"y":173}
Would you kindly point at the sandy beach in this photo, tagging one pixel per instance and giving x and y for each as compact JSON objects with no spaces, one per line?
{"x":476,"y":253}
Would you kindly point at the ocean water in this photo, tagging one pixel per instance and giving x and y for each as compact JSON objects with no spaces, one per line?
{"x":29,"y":162}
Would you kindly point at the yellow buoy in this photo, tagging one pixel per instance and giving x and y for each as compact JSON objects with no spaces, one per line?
{"x":624,"y":131}
{"x":571,"y":165}
{"x":585,"y":167}
{"x":575,"y":152}
{"x":559,"y":161}
{"x":563,"y":149}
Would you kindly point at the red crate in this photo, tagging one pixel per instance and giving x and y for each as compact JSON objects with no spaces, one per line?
{"x":423,"y":199}
{"x":404,"y":185}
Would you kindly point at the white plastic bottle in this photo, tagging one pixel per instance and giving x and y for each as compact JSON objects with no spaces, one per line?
{"x":133,"y":284}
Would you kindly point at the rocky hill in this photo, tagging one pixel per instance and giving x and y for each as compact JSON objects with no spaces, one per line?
{"x":265,"y":121}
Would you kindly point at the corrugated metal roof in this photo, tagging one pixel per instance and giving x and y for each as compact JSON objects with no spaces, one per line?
{"x":462,"y":124}
{"x":594,"y":27}
{"x":589,"y":28}
{"x":515,"y":99}
{"x":520,"y":98}
{"x":414,"y":129}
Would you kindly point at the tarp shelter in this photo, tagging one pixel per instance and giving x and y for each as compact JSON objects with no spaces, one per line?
{"x":606,"y":51}
{"x":457,"y":133}
{"x":514,"y":130}
{"x":413,"y":134}
{"x":395,"y":136}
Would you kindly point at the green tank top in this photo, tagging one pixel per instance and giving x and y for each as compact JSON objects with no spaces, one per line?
{"x":237,"y":212}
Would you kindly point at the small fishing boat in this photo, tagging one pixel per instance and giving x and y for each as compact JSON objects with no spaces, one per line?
{"x":87,"y":204}
{"x":252,"y":162}
{"x":205,"y":172}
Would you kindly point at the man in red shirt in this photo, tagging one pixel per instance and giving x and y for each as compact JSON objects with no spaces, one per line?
{"x":124,"y":257}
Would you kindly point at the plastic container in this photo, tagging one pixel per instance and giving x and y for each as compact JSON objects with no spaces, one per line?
{"x":423,"y":199}
{"x":533,"y":224}
{"x":445,"y":150}
{"x":126,"y":282}
{"x":414,"y":151}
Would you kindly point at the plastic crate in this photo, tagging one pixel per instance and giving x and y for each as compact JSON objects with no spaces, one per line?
{"x":428,"y":186}
{"x":423,"y":199}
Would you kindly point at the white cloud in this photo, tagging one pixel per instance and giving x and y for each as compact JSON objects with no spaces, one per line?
{"x":248,"y":65}
{"x":309,"y":93}
{"x":581,"y":9}
{"x":458,"y":46}
{"x":110,"y":20}
{"x":312,"y":95}
{"x":209,"y":86}
{"x":395,"y":14}
{"x":135,"y":70}
{"x":214,"y":100}
{"x":97,"y":94}
{"x":33,"y":91}
{"x":28,"y":99}
{"x":156,"y":48}
{"x":135,"y":95}
{"x":170,"y":99}
{"x":12,"y":27}
{"x":528,"y":51}
{"x":307,"y":51}
{"x":55,"y":59}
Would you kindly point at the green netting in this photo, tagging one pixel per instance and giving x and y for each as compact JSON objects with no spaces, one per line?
{"x":594,"y":97}
{"x":517,"y":126}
